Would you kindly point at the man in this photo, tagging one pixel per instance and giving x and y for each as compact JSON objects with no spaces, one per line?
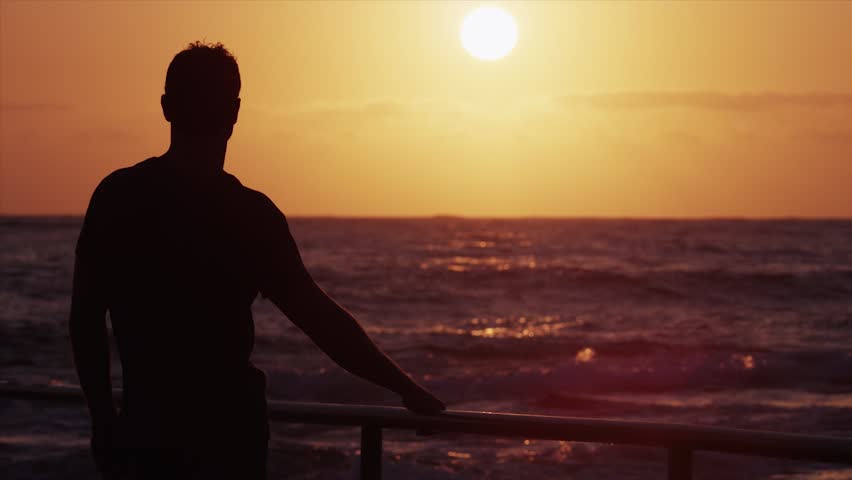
{"x":177,"y":250}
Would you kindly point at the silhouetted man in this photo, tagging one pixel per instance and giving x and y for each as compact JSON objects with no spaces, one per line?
{"x":177,"y":250}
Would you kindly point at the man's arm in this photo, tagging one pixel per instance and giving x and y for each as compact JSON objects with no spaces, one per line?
{"x":87,"y":327}
{"x":339,"y":335}
{"x":88,"y":332}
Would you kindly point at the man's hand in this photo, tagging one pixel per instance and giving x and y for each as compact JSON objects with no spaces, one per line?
{"x":106,"y":451}
{"x":336,"y":332}
{"x":422,"y":402}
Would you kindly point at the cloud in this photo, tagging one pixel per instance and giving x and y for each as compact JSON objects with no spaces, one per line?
{"x":550,"y":117}
{"x":24,"y":107}
{"x":384,"y":109}
{"x":108,"y":134}
{"x":367,"y":109}
{"x":376,"y":108}
{"x":739,"y":102}
{"x":352,"y":111}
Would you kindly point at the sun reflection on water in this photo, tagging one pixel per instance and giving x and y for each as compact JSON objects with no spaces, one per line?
{"x":458,"y":455}
{"x":461,"y":263}
{"x":745,"y":361}
{"x":489,"y":328}
{"x":520,"y":327}
{"x":585,"y":355}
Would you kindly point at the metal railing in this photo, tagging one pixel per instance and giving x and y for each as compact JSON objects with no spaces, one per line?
{"x":680,"y":440}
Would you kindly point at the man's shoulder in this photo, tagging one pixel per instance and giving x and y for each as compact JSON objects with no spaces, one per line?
{"x":263,"y":212}
{"x":258,"y":198}
{"x":254,"y":198}
{"x":122,"y":176}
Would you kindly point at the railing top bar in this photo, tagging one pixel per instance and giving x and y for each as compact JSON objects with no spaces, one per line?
{"x":729,"y":440}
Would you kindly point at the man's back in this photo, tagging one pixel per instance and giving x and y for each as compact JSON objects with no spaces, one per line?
{"x":182,"y":261}
{"x":176,"y":250}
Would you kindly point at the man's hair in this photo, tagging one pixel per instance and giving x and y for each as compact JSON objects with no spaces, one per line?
{"x":201,"y":83}
{"x":204,"y":66}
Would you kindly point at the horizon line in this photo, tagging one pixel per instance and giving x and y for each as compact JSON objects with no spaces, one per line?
{"x":441,"y":216}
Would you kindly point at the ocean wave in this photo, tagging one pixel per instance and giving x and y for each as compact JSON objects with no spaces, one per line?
{"x":435,"y":284}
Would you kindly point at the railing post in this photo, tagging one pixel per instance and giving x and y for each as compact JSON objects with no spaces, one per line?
{"x":371,"y":452}
{"x":680,"y":463}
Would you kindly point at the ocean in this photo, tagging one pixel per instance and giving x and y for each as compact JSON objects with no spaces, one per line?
{"x":728,"y":323}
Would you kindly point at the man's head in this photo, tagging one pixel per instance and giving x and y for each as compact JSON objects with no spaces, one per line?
{"x":202,"y":91}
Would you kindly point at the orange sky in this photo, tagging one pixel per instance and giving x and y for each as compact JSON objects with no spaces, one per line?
{"x":684,"y":109}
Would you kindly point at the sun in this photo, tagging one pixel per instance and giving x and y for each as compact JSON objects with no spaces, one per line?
{"x":489,"y":33}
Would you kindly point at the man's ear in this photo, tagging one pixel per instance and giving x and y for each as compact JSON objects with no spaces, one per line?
{"x":236,"y":111}
{"x":167,"y":108}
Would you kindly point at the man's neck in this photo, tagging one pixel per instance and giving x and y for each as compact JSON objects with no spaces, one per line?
{"x":204,"y":154}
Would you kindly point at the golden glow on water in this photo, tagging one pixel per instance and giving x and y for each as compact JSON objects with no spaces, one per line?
{"x":564,"y":451}
{"x":785,"y":399}
{"x":460,"y":264}
{"x":502,"y":332}
{"x":461,"y":455}
{"x":496,"y":328}
{"x":520,"y":327}
{"x":838,"y":474}
{"x":585,"y":355}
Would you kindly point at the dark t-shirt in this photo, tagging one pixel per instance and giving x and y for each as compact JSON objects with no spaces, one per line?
{"x":180,"y":259}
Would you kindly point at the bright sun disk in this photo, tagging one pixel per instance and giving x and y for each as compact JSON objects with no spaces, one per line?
{"x":489,"y":33}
